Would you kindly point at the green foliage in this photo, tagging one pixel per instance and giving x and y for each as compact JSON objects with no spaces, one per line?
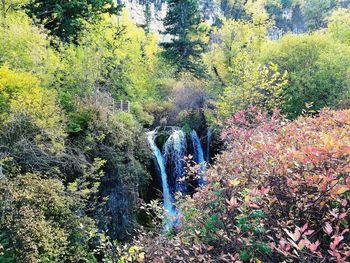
{"x":252,"y":85}
{"x":317,"y":69}
{"x":66,"y":19}
{"x":6,"y":248}
{"x":236,"y":37}
{"x":26,"y":48}
{"x":118,"y":57}
{"x":339,"y":25}
{"x":315,"y":13}
{"x":38,"y":215}
{"x":253,"y":223}
{"x":287,"y":15}
{"x":65,"y":165}
{"x":21,"y":96}
{"x":182,"y":23}
{"x":130,"y":254}
{"x":7,"y":8}
{"x":71,"y":163}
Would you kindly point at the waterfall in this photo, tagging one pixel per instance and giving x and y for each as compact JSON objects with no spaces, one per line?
{"x":167,"y":196}
{"x":198,"y":155}
{"x":209,"y":137}
{"x":171,"y":165}
{"x":174,"y":152}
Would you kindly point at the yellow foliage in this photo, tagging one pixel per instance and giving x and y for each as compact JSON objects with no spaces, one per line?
{"x":115,"y":49}
{"x":253,"y":85}
{"x":139,"y":53}
{"x":21,"y":95}
{"x":26,"y":47}
{"x":339,"y":25}
{"x":236,"y":37}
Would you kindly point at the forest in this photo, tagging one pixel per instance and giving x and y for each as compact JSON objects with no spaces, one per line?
{"x":216,"y":132}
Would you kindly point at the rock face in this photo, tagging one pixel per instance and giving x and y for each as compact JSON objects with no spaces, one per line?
{"x":150,"y":13}
{"x":147,"y":13}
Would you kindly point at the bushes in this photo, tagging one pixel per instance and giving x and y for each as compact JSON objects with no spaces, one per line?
{"x":317,"y":67}
{"x":95,"y":179}
{"x":252,"y":84}
{"x":38,"y":217}
{"x":58,"y":129}
{"x":188,"y":97}
{"x":288,"y":73}
{"x":25,"y":47}
{"x":279,"y":192}
{"x":22,"y":97}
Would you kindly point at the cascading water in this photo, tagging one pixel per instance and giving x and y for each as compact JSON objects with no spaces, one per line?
{"x":209,"y":137}
{"x":174,"y":152}
{"x":168,"y":202}
{"x":198,"y":155}
{"x":171,"y":165}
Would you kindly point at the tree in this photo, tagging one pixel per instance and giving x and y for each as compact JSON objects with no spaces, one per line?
{"x":25,"y":47}
{"x":236,"y":37}
{"x":116,"y":56}
{"x":315,"y":12}
{"x":21,"y":96}
{"x":182,"y":23}
{"x":252,"y":85}
{"x":234,"y":8}
{"x":339,"y":25}
{"x":317,"y":67}
{"x":65,"y":19}
{"x":7,"y":7}
{"x":40,"y":220}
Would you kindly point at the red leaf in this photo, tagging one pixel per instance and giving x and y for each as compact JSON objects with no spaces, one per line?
{"x":342,"y":215}
{"x":304,"y":228}
{"x":335,"y":243}
{"x":309,"y":232}
{"x":313,"y":246}
{"x":232,"y":203}
{"x":265,"y":190}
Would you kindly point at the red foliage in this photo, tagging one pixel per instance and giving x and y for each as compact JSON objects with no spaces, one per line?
{"x":279,"y":192}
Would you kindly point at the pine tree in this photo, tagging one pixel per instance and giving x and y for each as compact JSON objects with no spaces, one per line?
{"x":65,"y":19}
{"x":182,"y":24}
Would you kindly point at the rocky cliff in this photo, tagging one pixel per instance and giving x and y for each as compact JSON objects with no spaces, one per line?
{"x":150,"y":13}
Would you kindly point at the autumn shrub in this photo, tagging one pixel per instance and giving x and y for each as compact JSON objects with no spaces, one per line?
{"x":278,"y":193}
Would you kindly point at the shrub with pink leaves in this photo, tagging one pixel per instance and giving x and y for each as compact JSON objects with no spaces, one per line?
{"x":279,"y":192}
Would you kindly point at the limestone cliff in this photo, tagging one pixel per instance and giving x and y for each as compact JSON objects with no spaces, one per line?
{"x":150,"y":13}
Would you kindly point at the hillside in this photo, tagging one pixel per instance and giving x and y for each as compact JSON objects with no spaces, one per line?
{"x":174,"y":131}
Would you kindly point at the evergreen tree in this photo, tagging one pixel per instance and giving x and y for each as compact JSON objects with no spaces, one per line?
{"x":65,"y":19}
{"x":182,"y":24}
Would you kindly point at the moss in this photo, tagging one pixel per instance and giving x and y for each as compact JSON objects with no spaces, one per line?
{"x":192,"y":120}
{"x":162,"y":137}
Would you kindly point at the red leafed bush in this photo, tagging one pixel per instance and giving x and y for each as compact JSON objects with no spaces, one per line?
{"x":279,"y":192}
